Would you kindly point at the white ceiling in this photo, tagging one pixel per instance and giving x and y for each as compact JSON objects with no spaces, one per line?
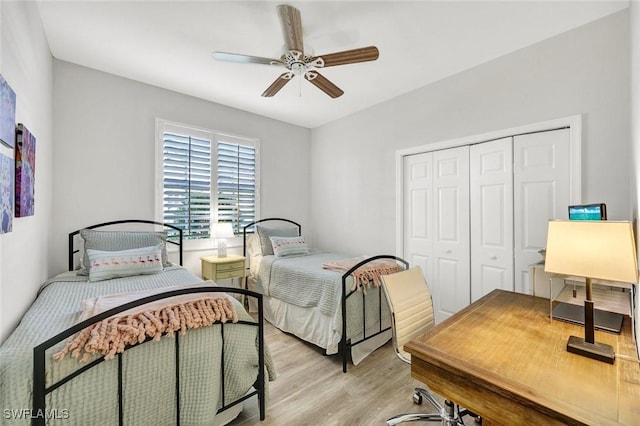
{"x":169,"y":44}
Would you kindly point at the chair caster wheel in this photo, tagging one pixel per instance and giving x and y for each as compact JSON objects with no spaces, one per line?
{"x":417,"y":398}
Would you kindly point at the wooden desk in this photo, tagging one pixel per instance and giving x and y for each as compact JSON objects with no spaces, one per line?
{"x":504,"y":359}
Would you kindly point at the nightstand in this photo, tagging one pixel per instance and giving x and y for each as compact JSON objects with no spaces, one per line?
{"x":224,"y":268}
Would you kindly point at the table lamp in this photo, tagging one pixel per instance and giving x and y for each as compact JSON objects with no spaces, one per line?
{"x":592,"y":249}
{"x":221,"y":231}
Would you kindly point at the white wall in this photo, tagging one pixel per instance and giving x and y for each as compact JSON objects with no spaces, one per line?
{"x":104,"y":128}
{"x":104,"y":141}
{"x":634,"y":22}
{"x":584,"y":71}
{"x":25,"y":62}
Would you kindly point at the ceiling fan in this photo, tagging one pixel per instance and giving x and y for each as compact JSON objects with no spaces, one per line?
{"x":297,"y":62}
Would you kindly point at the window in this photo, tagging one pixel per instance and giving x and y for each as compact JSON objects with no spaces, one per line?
{"x":236,"y":184}
{"x":205,"y":177}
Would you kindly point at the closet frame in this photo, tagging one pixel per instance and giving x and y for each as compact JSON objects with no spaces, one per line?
{"x":572,"y":123}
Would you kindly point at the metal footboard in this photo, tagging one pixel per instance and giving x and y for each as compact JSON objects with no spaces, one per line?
{"x":345,"y":342}
{"x":41,"y":389}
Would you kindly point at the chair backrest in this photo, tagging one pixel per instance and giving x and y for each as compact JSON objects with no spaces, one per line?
{"x":411,"y":306}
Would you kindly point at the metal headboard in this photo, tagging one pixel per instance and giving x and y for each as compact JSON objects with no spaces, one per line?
{"x":73,"y":250}
{"x":244,"y":230}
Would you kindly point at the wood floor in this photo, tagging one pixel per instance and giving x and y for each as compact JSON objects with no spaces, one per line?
{"x":312,"y":390}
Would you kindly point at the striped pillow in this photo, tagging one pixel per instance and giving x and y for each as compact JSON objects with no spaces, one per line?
{"x":104,"y":265}
{"x":289,"y":246}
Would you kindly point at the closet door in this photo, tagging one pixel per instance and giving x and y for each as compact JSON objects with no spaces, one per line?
{"x":418,"y":212}
{"x":541,"y":193}
{"x":491,"y":198}
{"x":451,"y":284}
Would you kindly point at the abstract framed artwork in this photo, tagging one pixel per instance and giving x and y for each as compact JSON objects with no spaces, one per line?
{"x":25,"y":160}
{"x":6,"y":194}
{"x":7,"y":113}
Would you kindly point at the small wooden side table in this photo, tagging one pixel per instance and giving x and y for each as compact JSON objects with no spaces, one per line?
{"x":222,"y":268}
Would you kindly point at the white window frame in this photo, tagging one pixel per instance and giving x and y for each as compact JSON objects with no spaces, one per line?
{"x":215,"y":137}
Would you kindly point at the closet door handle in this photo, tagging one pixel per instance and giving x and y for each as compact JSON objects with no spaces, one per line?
{"x":448,"y":251}
{"x":493,"y":257}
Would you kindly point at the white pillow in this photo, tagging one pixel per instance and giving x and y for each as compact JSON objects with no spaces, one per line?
{"x":104,"y":265}
{"x":120,"y":240}
{"x":289,"y":246}
{"x":253,"y":245}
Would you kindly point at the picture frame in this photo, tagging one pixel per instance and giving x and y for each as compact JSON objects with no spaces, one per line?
{"x":7,"y":114}
{"x":6,"y":193}
{"x":25,"y":161}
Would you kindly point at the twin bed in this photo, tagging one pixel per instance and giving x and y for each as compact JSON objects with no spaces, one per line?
{"x":197,"y":377}
{"x":327,"y":299}
{"x":83,"y":353}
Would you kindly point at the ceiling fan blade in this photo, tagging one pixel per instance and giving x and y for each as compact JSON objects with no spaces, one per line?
{"x":291,"y":27}
{"x":318,"y":80}
{"x":236,"y":57}
{"x":278,"y":84}
{"x":353,"y":56}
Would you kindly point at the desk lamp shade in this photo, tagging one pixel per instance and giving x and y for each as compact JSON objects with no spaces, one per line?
{"x":604,"y":250}
{"x":222,"y":231}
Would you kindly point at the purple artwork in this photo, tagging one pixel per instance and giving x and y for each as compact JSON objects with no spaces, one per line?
{"x":25,"y":172}
{"x":6,"y":194}
{"x":7,"y":114}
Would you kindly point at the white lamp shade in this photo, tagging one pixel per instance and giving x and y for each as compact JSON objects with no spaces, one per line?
{"x":222,"y":230}
{"x":603,"y":250}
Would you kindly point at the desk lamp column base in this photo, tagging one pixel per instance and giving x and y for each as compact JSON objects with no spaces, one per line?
{"x":598,"y":351}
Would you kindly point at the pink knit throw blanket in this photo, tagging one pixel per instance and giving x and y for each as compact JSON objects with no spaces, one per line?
{"x":166,"y":316}
{"x":367,"y":274}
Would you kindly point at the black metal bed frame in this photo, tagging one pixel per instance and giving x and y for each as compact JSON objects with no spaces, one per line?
{"x":40,"y":388}
{"x":73,"y":250}
{"x":345,"y":342}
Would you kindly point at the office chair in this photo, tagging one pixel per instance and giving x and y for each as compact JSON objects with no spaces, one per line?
{"x":411,"y":308}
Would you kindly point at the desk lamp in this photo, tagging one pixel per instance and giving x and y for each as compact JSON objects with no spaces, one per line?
{"x":592,"y":249}
{"x":222,"y":231}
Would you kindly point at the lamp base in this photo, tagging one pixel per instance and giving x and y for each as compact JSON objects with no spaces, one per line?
{"x":598,"y":351}
{"x":222,"y":248}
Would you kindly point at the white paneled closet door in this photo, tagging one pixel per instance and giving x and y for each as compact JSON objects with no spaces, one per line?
{"x":475,"y":217}
{"x":451,"y":284}
{"x":418,"y":212}
{"x":541,"y":192}
{"x":491,"y":220}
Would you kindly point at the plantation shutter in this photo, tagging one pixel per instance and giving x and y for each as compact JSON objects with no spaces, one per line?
{"x":236,"y":180}
{"x":187,"y":184}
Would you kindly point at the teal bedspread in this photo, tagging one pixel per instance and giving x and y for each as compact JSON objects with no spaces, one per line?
{"x":302,"y":281}
{"x":149,"y":375}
